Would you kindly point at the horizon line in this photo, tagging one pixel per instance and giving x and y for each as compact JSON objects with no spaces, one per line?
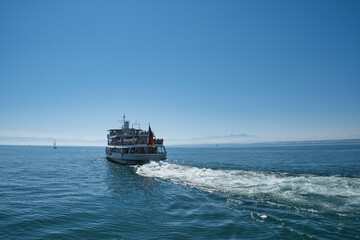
{"x":274,"y":143}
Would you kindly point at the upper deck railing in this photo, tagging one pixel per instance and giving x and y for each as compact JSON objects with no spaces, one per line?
{"x":127,"y":132}
{"x":121,"y":142}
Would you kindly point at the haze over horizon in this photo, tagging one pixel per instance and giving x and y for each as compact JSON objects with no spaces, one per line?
{"x":198,"y":71}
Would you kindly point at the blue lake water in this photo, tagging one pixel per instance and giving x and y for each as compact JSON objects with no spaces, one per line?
{"x":277,"y":192}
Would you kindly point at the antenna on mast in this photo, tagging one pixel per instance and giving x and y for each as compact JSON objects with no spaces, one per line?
{"x":122,"y":121}
{"x":125,"y":123}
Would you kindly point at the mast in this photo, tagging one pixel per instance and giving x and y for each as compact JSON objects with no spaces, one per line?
{"x":125,"y":123}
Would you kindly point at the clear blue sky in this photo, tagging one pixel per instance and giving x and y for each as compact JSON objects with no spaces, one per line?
{"x":277,"y":70}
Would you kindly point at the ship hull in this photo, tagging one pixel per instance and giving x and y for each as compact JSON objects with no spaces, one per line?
{"x":134,"y":159}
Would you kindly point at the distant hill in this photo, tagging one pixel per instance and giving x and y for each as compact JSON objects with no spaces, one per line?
{"x":279,"y":143}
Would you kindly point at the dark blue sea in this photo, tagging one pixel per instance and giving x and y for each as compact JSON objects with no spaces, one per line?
{"x":272,"y":192}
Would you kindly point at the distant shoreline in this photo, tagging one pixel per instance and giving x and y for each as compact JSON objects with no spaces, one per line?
{"x":258,"y":144}
{"x":276,"y":143}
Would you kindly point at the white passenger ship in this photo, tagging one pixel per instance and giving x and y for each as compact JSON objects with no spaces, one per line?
{"x":134,"y":146}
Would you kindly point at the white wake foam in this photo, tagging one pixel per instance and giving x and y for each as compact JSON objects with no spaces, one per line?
{"x":324,"y":192}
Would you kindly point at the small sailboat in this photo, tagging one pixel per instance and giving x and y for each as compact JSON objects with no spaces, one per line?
{"x":54,"y":145}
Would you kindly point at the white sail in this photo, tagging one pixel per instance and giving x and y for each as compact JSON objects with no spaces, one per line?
{"x":54,"y":146}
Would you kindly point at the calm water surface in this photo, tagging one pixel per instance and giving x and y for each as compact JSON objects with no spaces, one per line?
{"x":281,"y":192}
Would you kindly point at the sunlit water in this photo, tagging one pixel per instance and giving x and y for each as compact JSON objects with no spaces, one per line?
{"x":278,"y":192}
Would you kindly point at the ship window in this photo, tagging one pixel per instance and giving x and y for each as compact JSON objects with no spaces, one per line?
{"x":125,"y":151}
{"x":138,"y":150}
{"x":161,"y":150}
{"x":152,"y":150}
{"x":142,"y":150}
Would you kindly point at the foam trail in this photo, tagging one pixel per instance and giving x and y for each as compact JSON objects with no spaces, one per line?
{"x":339,"y":194}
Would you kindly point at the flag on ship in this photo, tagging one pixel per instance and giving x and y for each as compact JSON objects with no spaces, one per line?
{"x":151,"y":138}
